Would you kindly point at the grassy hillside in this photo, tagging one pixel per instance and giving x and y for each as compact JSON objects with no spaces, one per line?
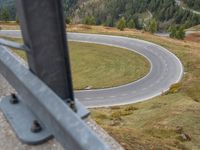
{"x":195,"y":28}
{"x":194,"y":37}
{"x":168,"y":122}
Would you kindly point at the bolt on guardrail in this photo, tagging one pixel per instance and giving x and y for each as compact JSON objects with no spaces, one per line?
{"x":44,"y":106}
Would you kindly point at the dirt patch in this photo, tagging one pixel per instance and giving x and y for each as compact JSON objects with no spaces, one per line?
{"x":194,"y":37}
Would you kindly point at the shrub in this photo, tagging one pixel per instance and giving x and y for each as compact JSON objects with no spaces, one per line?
{"x":5,"y":14}
{"x":177,"y":32}
{"x":102,"y":116}
{"x":121,"y":24}
{"x":109,"y":21}
{"x":116,"y":115}
{"x":115,"y":107}
{"x":152,"y":26}
{"x":67,"y":20}
{"x":130,"y":108}
{"x":174,"y":88}
{"x":89,"y":20}
{"x":180,"y":33}
{"x":131,"y":24}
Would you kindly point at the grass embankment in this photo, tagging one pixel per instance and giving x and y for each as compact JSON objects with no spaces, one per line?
{"x":195,"y":34}
{"x":10,"y":25}
{"x":98,"y":66}
{"x":194,"y":37}
{"x":170,"y":121}
{"x":195,"y":28}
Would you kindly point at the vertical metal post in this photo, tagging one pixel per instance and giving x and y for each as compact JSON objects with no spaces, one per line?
{"x":43,"y":30}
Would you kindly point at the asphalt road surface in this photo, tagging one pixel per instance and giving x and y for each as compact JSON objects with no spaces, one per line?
{"x":166,"y":69}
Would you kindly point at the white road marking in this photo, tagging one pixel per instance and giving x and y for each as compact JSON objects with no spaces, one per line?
{"x":99,"y":97}
{"x":112,"y":96}
{"x":124,"y":95}
{"x":87,"y":98}
{"x":151,"y":85}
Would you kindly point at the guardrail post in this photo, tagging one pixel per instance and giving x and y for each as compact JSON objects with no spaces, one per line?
{"x":43,"y":30}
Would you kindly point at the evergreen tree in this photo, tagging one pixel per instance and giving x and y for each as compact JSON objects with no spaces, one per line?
{"x":108,"y":12}
{"x":172,"y":31}
{"x":87,"y":20}
{"x":5,"y":15}
{"x":90,"y":20}
{"x":180,"y":33}
{"x":109,"y":21}
{"x":194,"y":4}
{"x":177,"y":32}
{"x":138,"y":24}
{"x":131,"y":24}
{"x":121,"y":24}
{"x":152,"y":26}
{"x":67,"y":20}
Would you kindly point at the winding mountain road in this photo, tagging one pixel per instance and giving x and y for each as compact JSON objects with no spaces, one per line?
{"x":166,"y":69}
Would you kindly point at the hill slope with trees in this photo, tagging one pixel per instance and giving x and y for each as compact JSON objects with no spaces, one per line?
{"x":7,"y":10}
{"x":109,"y":12}
{"x":193,"y":4}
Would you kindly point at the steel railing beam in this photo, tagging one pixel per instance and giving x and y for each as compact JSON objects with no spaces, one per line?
{"x":65,"y":125}
{"x":14,"y":45}
{"x":44,"y":105}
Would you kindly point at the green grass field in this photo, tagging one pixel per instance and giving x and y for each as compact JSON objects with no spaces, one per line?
{"x":99,"y":66}
{"x":168,"y":122}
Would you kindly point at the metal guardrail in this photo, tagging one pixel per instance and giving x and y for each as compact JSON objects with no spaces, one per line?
{"x":44,"y":106}
{"x":14,"y":45}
